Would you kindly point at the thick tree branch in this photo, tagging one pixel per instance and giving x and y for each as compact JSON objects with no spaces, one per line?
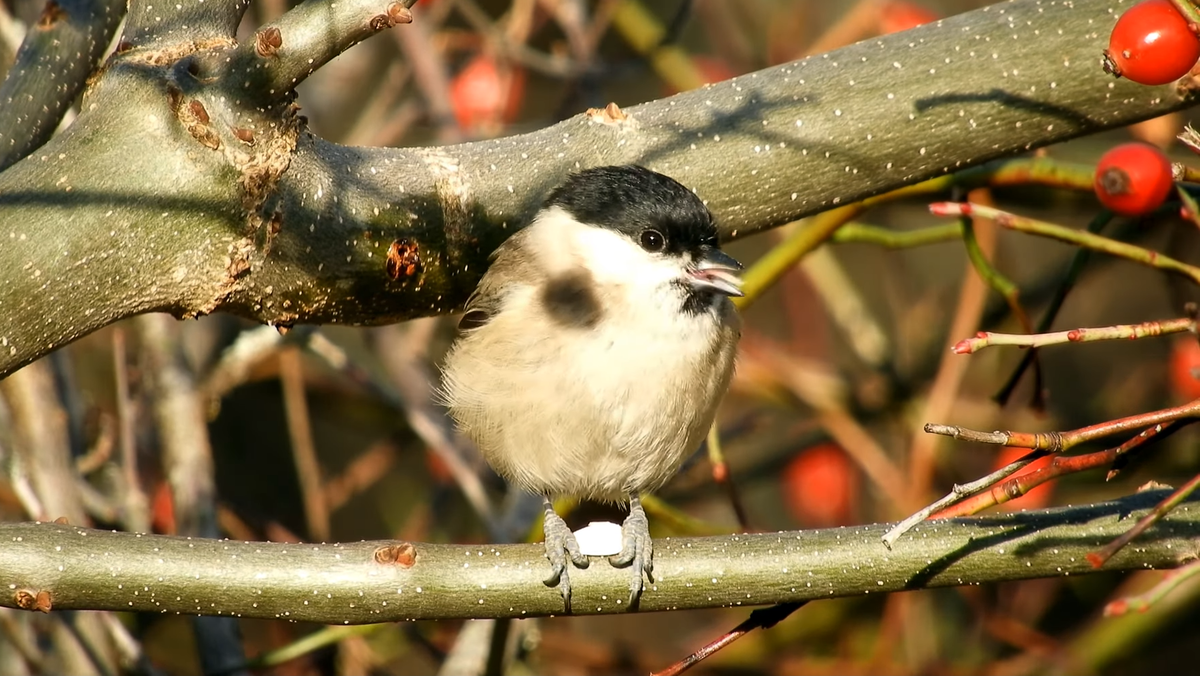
{"x":185,"y":199}
{"x":78,"y":568}
{"x":285,"y":52}
{"x":58,"y":54}
{"x":163,"y":28}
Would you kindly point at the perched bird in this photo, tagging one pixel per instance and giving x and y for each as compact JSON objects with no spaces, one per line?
{"x":593,"y":354}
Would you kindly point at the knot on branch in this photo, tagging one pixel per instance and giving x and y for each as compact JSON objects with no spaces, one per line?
{"x":396,"y":14}
{"x":402,"y":554}
{"x":31,"y":600}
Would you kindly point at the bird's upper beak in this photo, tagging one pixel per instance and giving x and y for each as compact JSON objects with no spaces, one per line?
{"x":717,"y":271}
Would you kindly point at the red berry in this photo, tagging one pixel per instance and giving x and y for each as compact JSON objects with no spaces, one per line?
{"x":162,"y":509}
{"x":1152,"y":44}
{"x":486,"y":95}
{"x":900,"y":15}
{"x":1133,"y":179}
{"x":1185,"y":366}
{"x":820,"y":486}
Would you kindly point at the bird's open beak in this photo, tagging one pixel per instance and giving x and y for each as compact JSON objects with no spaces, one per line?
{"x":717,"y":271}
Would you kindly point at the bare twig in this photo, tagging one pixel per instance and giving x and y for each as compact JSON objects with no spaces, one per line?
{"x":826,"y":396}
{"x":403,"y":359}
{"x":943,"y":394}
{"x":1042,"y":443}
{"x":135,"y":510}
{"x":41,"y":441}
{"x":845,"y":304}
{"x":763,"y":618}
{"x":723,"y":477}
{"x":1117,"y":332}
{"x":1017,"y":486}
{"x":1056,"y":442}
{"x":431,"y":76}
{"x":959,"y":492}
{"x":1142,"y":602}
{"x":1172,"y":501}
{"x":1078,"y":238}
{"x":187,"y":455}
{"x":1079,"y":261}
{"x":304,"y":452}
{"x":363,"y":471}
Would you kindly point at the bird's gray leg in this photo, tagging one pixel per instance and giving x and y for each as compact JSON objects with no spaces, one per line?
{"x":560,"y":544}
{"x":637,"y":549}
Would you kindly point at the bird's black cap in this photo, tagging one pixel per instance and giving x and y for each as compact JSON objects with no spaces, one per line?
{"x":631,"y":199}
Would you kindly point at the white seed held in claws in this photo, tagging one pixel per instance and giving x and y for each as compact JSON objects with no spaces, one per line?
{"x":599,"y":538}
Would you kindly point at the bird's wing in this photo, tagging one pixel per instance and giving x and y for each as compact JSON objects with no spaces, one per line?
{"x":509,"y":262}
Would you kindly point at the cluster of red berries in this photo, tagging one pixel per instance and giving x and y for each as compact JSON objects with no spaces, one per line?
{"x":1153,"y":43}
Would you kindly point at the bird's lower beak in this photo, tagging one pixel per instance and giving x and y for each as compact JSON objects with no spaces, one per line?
{"x":717,"y":271}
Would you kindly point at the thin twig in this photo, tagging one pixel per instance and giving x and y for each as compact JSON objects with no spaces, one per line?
{"x":304,"y":452}
{"x":363,"y":471}
{"x":1142,"y":602}
{"x":1089,"y":240}
{"x":1084,"y":335}
{"x":432,"y":77}
{"x":1057,"y":442}
{"x":722,"y":476}
{"x":404,"y":362}
{"x":1017,"y":486}
{"x":844,"y":302}
{"x":763,"y":618}
{"x":1098,"y":559}
{"x":944,"y":393}
{"x":958,"y":492}
{"x":1079,"y":261}
{"x":865,"y":233}
{"x":100,"y":452}
{"x":826,"y":396}
{"x":42,"y":443}
{"x":1042,"y":443}
{"x":1007,"y":290}
{"x":135,"y":505}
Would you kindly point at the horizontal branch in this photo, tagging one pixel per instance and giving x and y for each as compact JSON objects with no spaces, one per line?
{"x":185,"y":199}
{"x":52,"y":566}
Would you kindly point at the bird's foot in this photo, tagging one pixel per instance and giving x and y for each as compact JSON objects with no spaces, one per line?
{"x":637,"y":549}
{"x":561,"y":545}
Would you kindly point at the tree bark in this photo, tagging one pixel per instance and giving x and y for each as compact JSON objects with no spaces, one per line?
{"x":189,"y":184}
{"x":386,"y":581}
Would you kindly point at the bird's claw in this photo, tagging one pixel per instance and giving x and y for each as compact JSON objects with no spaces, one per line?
{"x":560,"y":546}
{"x":637,"y":550}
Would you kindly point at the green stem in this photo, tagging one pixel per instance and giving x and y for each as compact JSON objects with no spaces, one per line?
{"x":863,"y":233}
{"x":1087,"y":240}
{"x":1079,"y":261}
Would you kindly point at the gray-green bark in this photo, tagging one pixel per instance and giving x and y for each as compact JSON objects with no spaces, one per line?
{"x":358,"y":583}
{"x":188,"y":184}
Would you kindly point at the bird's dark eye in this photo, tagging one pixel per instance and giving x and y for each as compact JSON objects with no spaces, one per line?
{"x":653,"y":241}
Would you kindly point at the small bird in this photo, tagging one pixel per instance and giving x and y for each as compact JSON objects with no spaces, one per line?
{"x":593,"y":354}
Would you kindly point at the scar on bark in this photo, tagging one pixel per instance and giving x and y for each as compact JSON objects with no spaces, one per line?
{"x":403,"y":259}
{"x":610,"y":114}
{"x":52,"y":14}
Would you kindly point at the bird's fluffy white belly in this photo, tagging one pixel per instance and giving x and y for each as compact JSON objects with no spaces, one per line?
{"x":622,"y":394}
